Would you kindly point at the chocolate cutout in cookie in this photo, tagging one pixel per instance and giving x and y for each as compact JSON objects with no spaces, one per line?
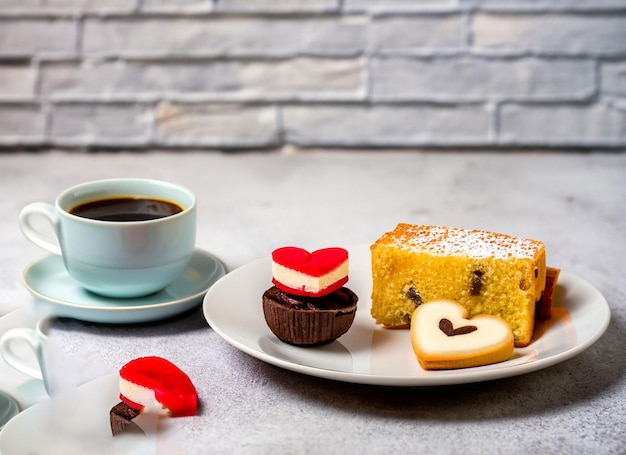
{"x":446,"y":327}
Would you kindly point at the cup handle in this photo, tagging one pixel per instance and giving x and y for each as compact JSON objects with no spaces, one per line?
{"x":49,"y":212}
{"x":30,"y":337}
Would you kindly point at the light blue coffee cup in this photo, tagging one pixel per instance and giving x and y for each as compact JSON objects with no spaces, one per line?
{"x":121,"y":259}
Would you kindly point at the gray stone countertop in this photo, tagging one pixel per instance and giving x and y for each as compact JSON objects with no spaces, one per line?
{"x":251,"y":203}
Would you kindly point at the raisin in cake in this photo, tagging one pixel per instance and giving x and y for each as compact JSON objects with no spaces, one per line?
{"x":486,"y":272}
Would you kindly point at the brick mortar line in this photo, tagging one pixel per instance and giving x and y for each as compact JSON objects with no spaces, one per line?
{"x":546,"y":9}
{"x":171,"y":59}
{"x":421,"y":53}
{"x":366,"y":79}
{"x":134,"y":13}
{"x":80,"y":36}
{"x":152,"y":114}
{"x":594,"y":101}
{"x":365,"y":104}
{"x":47,"y":112}
{"x":177,"y":58}
{"x":493,"y":127}
{"x":281,"y":131}
{"x":597,"y":79}
{"x":37,"y":145}
{"x":36,"y":65}
{"x":461,"y":143}
{"x":467,"y":32}
{"x":126,"y":15}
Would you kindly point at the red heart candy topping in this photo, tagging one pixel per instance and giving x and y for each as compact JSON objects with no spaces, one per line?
{"x":316,"y":264}
{"x":321,"y":271}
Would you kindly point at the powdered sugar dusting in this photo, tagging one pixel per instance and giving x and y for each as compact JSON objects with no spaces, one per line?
{"x":450,"y":241}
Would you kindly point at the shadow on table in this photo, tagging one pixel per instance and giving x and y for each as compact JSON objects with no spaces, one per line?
{"x":188,"y":321}
{"x":594,"y":372}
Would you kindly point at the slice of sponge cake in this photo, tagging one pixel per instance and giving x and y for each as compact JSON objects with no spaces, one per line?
{"x":486,"y":272}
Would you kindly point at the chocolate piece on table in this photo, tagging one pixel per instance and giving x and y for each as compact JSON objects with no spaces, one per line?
{"x":121,"y":416}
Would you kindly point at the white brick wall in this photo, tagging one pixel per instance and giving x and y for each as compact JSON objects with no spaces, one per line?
{"x":229,"y":74}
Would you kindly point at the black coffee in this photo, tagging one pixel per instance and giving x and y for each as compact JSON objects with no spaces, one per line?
{"x":126,"y":209}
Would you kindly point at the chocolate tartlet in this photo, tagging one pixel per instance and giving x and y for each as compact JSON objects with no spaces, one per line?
{"x":308,"y":321}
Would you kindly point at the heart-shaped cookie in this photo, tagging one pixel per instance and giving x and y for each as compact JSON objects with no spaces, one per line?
{"x":443,"y":337}
{"x":296,"y":271}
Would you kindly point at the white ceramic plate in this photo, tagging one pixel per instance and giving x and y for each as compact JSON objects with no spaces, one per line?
{"x":370,"y":354}
{"x":78,"y":422}
{"x":48,"y":280}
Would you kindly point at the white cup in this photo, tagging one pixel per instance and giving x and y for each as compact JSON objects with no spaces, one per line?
{"x":118,"y":258}
{"x":37,"y":340}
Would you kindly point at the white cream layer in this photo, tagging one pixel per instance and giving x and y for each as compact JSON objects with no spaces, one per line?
{"x":142,"y":395}
{"x":298,"y":280}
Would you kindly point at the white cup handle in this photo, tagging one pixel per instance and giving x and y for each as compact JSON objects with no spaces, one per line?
{"x":30,"y":337}
{"x":47,"y":211}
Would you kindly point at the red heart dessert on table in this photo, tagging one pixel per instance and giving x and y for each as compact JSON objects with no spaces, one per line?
{"x":153,"y":385}
{"x":157,"y":385}
{"x":296,"y":271}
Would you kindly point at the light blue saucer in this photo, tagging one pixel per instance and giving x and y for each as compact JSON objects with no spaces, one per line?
{"x":8,"y":409}
{"x":48,"y":280}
